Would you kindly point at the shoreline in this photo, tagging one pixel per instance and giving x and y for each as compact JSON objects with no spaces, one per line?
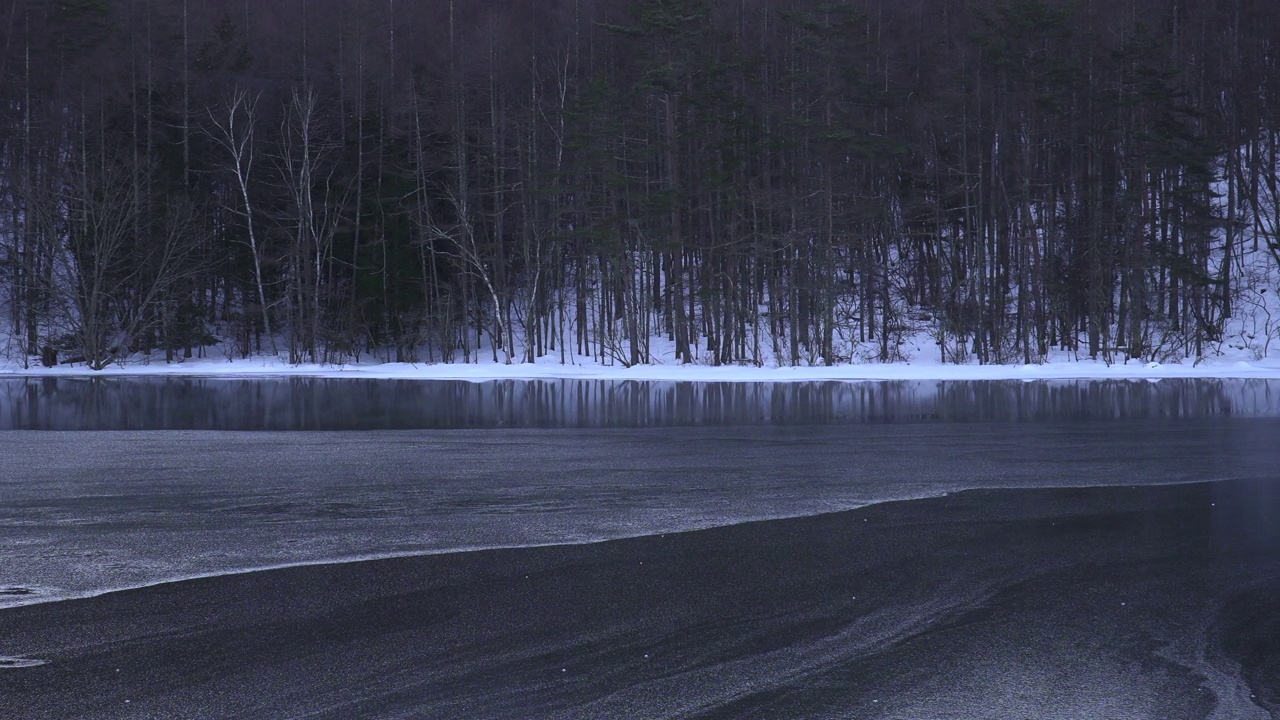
{"x":586,"y":369}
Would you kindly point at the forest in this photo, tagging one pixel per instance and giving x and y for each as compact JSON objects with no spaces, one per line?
{"x":734,"y":181}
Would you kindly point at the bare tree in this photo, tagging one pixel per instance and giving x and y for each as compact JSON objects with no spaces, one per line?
{"x":234,"y":125}
{"x":119,"y":280}
{"x":461,"y":236}
{"x":317,"y":201}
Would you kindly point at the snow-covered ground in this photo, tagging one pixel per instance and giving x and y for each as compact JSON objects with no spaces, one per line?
{"x":1238,"y":364}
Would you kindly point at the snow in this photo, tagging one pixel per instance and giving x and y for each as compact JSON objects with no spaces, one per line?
{"x":550,"y":367}
{"x":11,"y":662}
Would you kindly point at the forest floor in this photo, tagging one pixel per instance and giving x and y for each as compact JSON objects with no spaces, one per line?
{"x":1230,"y":363}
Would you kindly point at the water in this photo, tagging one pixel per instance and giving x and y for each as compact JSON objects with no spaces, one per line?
{"x":1151,"y":595}
{"x":130,"y":482}
{"x":326,"y":404}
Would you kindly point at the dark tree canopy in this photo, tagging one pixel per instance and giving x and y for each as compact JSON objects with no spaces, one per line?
{"x":754,"y":180}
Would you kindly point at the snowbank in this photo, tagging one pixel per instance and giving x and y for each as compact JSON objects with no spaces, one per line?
{"x":586,"y":368}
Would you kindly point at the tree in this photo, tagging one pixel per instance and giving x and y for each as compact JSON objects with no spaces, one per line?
{"x":234,"y":127}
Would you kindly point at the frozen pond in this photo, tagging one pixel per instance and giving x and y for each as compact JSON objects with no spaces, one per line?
{"x":1066,"y":549}
{"x":215,"y":476}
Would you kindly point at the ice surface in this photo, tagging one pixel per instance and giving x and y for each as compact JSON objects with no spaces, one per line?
{"x":88,"y":512}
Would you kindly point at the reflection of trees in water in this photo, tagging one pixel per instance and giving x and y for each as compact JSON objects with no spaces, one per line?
{"x":109,"y":403}
{"x":1103,"y":399}
{"x":309,"y":403}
